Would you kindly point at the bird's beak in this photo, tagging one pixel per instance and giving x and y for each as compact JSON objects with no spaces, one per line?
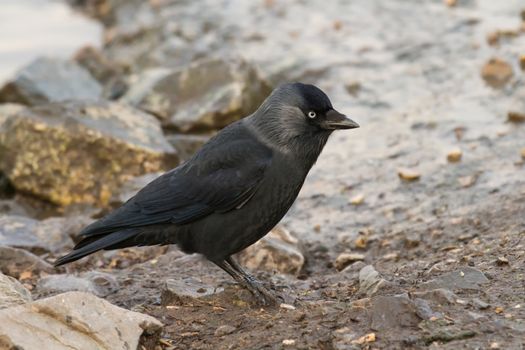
{"x":335,"y":120}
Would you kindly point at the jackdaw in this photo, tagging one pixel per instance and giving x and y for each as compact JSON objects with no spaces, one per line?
{"x":233,"y":191}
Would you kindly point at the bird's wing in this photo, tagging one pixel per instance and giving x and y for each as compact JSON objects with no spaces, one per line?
{"x":221,"y":177}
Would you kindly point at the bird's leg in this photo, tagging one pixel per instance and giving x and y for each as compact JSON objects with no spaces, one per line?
{"x":264,"y":296}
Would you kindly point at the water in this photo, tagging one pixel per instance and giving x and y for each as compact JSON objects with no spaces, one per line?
{"x":33,"y":28}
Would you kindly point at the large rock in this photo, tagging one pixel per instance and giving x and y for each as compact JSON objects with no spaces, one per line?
{"x":277,"y":251}
{"x":466,"y":278}
{"x":73,"y":320}
{"x":12,"y":293}
{"x":187,"y":145}
{"x":208,"y":94}
{"x":50,"y":80}
{"x":79,"y":152}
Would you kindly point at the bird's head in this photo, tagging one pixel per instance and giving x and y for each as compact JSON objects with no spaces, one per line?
{"x":295,"y":113}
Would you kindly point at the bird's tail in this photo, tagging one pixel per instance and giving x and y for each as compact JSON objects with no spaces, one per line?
{"x":92,"y":244}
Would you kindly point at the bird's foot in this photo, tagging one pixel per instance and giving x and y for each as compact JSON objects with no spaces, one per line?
{"x":264,"y":296}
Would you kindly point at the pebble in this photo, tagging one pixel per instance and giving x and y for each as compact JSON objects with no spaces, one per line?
{"x":496,"y":73}
{"x":224,"y":330}
{"x":454,"y":156}
{"x":345,"y":259}
{"x":408,"y":174}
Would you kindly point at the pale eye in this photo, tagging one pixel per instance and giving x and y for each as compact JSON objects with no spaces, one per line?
{"x":312,"y":114}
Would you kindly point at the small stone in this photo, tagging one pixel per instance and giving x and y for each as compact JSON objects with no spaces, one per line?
{"x":12,"y":293}
{"x":370,"y":281}
{"x":345,"y":259}
{"x":14,"y":262}
{"x":408,"y":174}
{"x":287,"y":306}
{"x":450,"y":3}
{"x":502,"y":261}
{"x":467,"y":181}
{"x":498,"y":310}
{"x":358,"y":199}
{"x":454,"y":156}
{"x":353,"y":88}
{"x":224,"y":330}
{"x":494,"y":345}
{"x":186,"y":291}
{"x":480,"y":304}
{"x":395,"y":311}
{"x":368,"y":338}
{"x":522,"y":62}
{"x":288,"y":342}
{"x":516,"y":117}
{"x":467,"y":278}
{"x":497,"y":73}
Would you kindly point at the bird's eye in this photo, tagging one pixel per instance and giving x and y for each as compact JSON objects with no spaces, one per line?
{"x":312,"y":114}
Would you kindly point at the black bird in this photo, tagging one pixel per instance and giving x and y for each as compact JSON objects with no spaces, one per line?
{"x":233,"y":191}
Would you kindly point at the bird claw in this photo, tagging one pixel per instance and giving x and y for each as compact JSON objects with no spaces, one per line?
{"x":264,"y":296}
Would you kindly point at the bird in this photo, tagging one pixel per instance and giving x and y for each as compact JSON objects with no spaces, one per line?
{"x":232,"y":191}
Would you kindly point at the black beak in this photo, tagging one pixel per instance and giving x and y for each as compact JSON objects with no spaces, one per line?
{"x":335,"y":120}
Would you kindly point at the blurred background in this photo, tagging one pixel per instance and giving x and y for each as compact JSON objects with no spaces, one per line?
{"x":98,"y":97}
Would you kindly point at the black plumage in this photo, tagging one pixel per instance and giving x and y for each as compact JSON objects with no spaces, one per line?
{"x":233,"y":191}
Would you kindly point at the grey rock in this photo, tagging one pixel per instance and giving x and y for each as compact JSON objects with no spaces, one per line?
{"x":207,"y":94}
{"x":464,"y":278}
{"x":98,"y":283}
{"x":79,"y":152}
{"x":388,"y":312}
{"x":19,"y":232}
{"x":131,"y":187}
{"x":184,"y":291}
{"x":50,"y":80}
{"x":423,"y":309}
{"x":14,"y":261}
{"x":440,"y":296}
{"x":9,"y":109}
{"x":12,"y":293}
{"x":224,"y":330}
{"x":74,"y":321}
{"x":11,"y":207}
{"x":370,"y":281}
{"x":277,"y":251}
{"x":187,"y":145}
{"x":480,"y":304}
{"x":345,"y":259}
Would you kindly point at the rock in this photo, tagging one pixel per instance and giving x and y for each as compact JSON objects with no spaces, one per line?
{"x":97,"y":64}
{"x":408,"y":174}
{"x":370,"y":281}
{"x":79,"y":152}
{"x":19,"y":232}
{"x":454,"y":155}
{"x":48,"y":235}
{"x":9,"y":109}
{"x":345,"y":259}
{"x":480,"y":304}
{"x":98,"y":283}
{"x":51,"y":80}
{"x":14,"y":261}
{"x":12,"y":293}
{"x":468,"y":180}
{"x":11,"y":207}
{"x":390,"y":312}
{"x":224,"y":330}
{"x":131,"y":187}
{"x":74,"y":320}
{"x":187,"y":145}
{"x":186,"y":291}
{"x":207,"y":94}
{"x":358,"y":199}
{"x":496,"y":73}
{"x":464,"y":278}
{"x":516,"y":117}
{"x":277,"y":251}
{"x":440,"y":296}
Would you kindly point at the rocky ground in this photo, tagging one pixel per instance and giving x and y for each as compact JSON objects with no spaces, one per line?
{"x":409,"y":232}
